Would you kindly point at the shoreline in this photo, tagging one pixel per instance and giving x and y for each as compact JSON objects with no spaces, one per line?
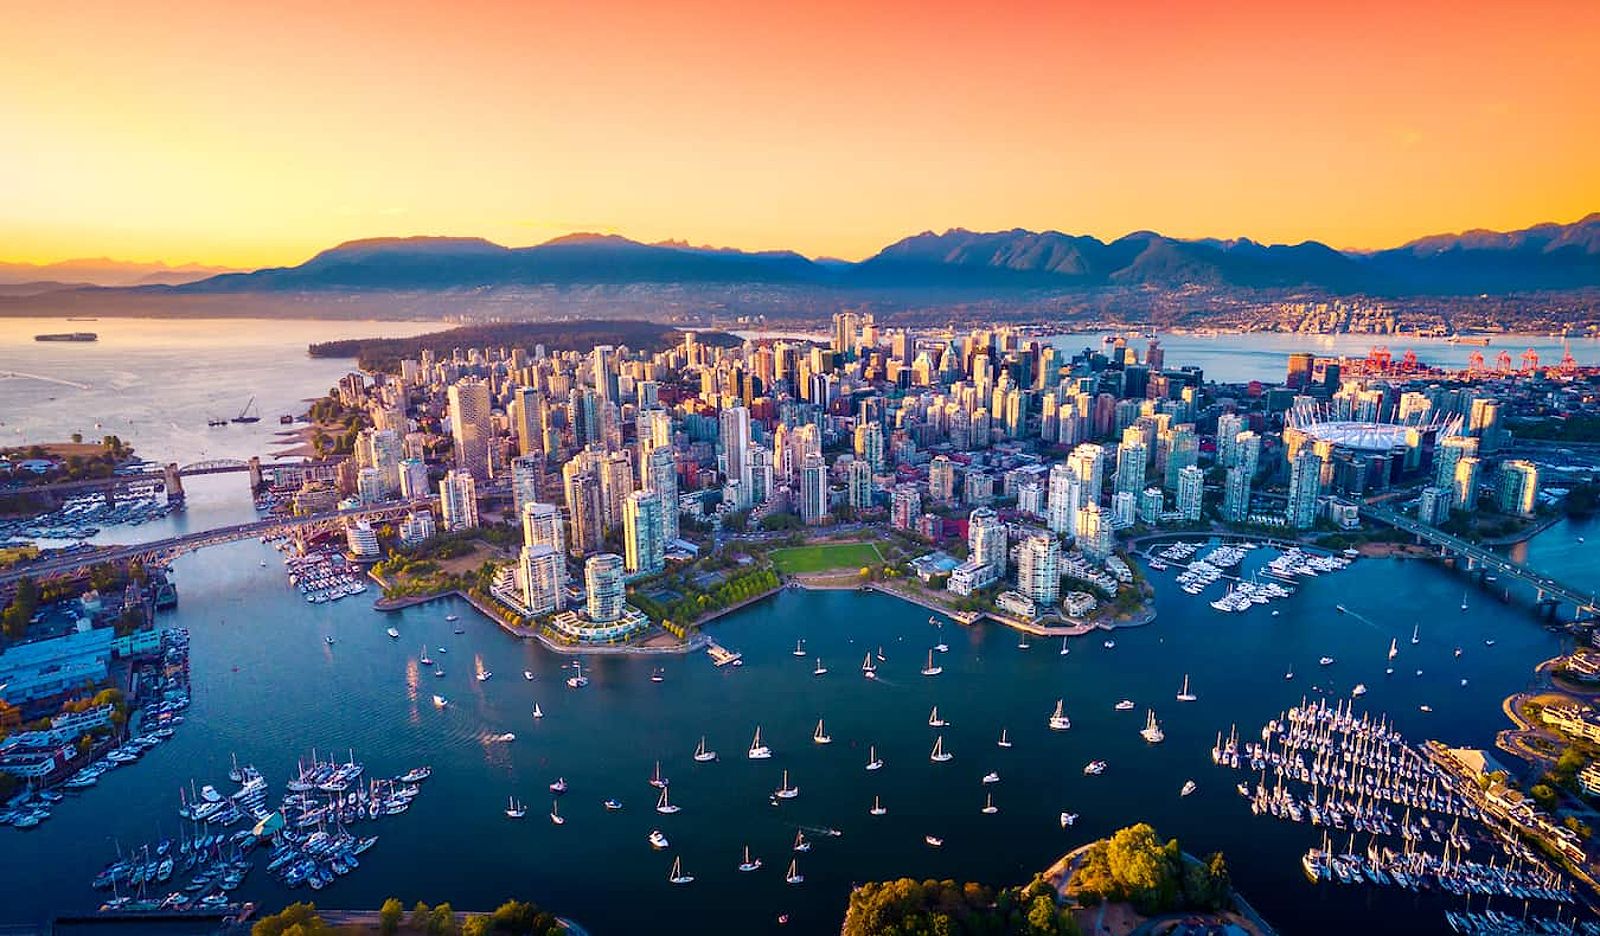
{"x":1144,"y":616}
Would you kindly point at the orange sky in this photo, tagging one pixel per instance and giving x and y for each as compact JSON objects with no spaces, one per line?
{"x":258,"y":134}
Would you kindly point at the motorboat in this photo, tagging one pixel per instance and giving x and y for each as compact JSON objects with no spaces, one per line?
{"x":933,"y":841}
{"x":991,"y":777}
{"x":328,"y":640}
{"x":1058,"y":719}
{"x":658,"y":675}
{"x":612,"y":804}
{"x":759,"y":751}
{"x":484,"y":675}
{"x":1359,"y":691}
{"x":1068,"y":818}
{"x":1109,"y":644}
{"x":1126,"y":705}
{"x":440,"y":701}
{"x":1188,"y":787}
{"x":528,"y":675}
{"x":452,"y":618}
{"x":702,"y":754}
{"x":1094,"y":768}
{"x":657,"y":840}
{"x":393,"y":634}
{"x":1325,"y":661}
{"x":559,"y":787}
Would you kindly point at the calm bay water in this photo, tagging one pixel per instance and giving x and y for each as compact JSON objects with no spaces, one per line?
{"x":267,"y":688}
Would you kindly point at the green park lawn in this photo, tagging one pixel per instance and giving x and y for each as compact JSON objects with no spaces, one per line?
{"x":825,"y":556}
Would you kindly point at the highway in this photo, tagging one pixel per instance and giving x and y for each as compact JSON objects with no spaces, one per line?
{"x":176,"y":545}
{"x":1583,"y":601}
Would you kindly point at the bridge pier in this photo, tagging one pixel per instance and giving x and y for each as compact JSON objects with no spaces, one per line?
{"x":174,"y":482}
{"x":255,"y":474}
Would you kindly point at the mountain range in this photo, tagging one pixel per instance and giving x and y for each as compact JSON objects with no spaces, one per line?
{"x":1540,"y":258}
{"x":23,"y":278}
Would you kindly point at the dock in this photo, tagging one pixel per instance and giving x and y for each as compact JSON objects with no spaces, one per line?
{"x":722,"y":656}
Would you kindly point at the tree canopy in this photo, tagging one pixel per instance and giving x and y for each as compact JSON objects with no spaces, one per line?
{"x":945,"y":908}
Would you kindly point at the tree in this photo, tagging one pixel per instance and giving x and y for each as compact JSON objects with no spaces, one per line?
{"x":297,"y":919}
{"x":419,"y":916}
{"x":389,"y":916}
{"x":477,"y":924}
{"x":442,"y":922}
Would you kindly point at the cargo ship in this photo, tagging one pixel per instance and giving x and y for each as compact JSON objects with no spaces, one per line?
{"x":68,"y":336}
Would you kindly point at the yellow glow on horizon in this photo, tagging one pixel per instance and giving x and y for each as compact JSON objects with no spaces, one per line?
{"x":258,"y":135}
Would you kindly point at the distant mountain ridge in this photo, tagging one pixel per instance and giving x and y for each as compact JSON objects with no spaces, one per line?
{"x":1543,"y":257}
{"x":101,"y":271}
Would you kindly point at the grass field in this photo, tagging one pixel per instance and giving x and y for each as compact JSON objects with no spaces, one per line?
{"x":825,"y":556}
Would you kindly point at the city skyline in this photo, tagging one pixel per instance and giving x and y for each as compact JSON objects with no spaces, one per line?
{"x":831,"y":132}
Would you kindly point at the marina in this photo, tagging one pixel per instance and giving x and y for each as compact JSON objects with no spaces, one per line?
{"x":372,"y":693}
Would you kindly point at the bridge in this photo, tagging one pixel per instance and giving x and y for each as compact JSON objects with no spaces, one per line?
{"x":171,"y":476}
{"x":1547,"y":590}
{"x":165,"y":550}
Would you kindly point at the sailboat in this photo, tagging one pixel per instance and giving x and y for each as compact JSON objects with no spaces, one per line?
{"x":1064,"y":650}
{"x":939,"y":755}
{"x":514,"y":809}
{"x":877,"y":807}
{"x":930,"y":669}
{"x":881,"y":657}
{"x":1415,"y":639}
{"x":1022,"y":644}
{"x":794,"y":876}
{"x":1394,"y":649}
{"x":577,"y":680}
{"x":555,"y":813}
{"x":1463,"y":601}
{"x":440,"y":701}
{"x":537,"y":712}
{"x":820,"y":670}
{"x":759,"y":751}
{"x":1058,"y":719}
{"x":799,"y":648}
{"x":701,"y":753}
{"x":658,"y":781}
{"x":1185,"y":695}
{"x":820,"y":736}
{"x":873,"y":763}
{"x":1290,"y":673}
{"x":663,"y":807}
{"x":867,"y":668}
{"x":1151,"y":731}
{"x":425,"y":660}
{"x":934,"y":721}
{"x":1004,"y":741}
{"x":786,"y":791}
{"x":677,"y":876}
{"x":749,"y":864}
{"x":989,"y":808}
{"x":800,"y":843}
{"x":941,"y":646}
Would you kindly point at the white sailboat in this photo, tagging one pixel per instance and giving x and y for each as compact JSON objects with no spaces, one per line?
{"x":934,"y":721}
{"x":1463,"y":601}
{"x":819,"y":736}
{"x":820,"y":670}
{"x":1151,"y":731}
{"x":555,"y":814}
{"x":800,"y":843}
{"x":577,"y":680}
{"x":930,"y":669}
{"x":1415,"y":638}
{"x":867,"y":668}
{"x":759,"y":751}
{"x":677,"y":876}
{"x":877,"y":807}
{"x":989,"y":808}
{"x":514,"y":809}
{"x":786,"y":791}
{"x":425,"y":660}
{"x":663,"y":807}
{"x":1394,"y":649}
{"x":658,"y":781}
{"x":939,"y":755}
{"x":793,"y":876}
{"x":702,"y":754}
{"x":1004,"y":741}
{"x":799,"y":647}
{"x":537,"y":711}
{"x":1184,"y":695}
{"x":749,"y":864}
{"x":1058,"y":719}
{"x":873,"y":762}
{"x":1064,"y":650}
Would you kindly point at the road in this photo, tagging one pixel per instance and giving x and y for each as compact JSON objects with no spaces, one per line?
{"x":60,"y":565}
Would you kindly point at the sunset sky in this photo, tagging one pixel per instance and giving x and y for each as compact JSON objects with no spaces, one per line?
{"x":258,"y":134}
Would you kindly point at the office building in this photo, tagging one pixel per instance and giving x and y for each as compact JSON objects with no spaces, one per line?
{"x":734,"y":425}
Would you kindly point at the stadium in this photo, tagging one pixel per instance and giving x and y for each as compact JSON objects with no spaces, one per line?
{"x":1365,"y":454}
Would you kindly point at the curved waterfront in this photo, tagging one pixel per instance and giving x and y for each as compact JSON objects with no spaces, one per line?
{"x":267,"y":687}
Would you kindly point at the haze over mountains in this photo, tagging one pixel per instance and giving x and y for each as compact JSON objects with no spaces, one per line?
{"x":998,"y":266}
{"x":100,"y":271}
{"x":1548,"y":256}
